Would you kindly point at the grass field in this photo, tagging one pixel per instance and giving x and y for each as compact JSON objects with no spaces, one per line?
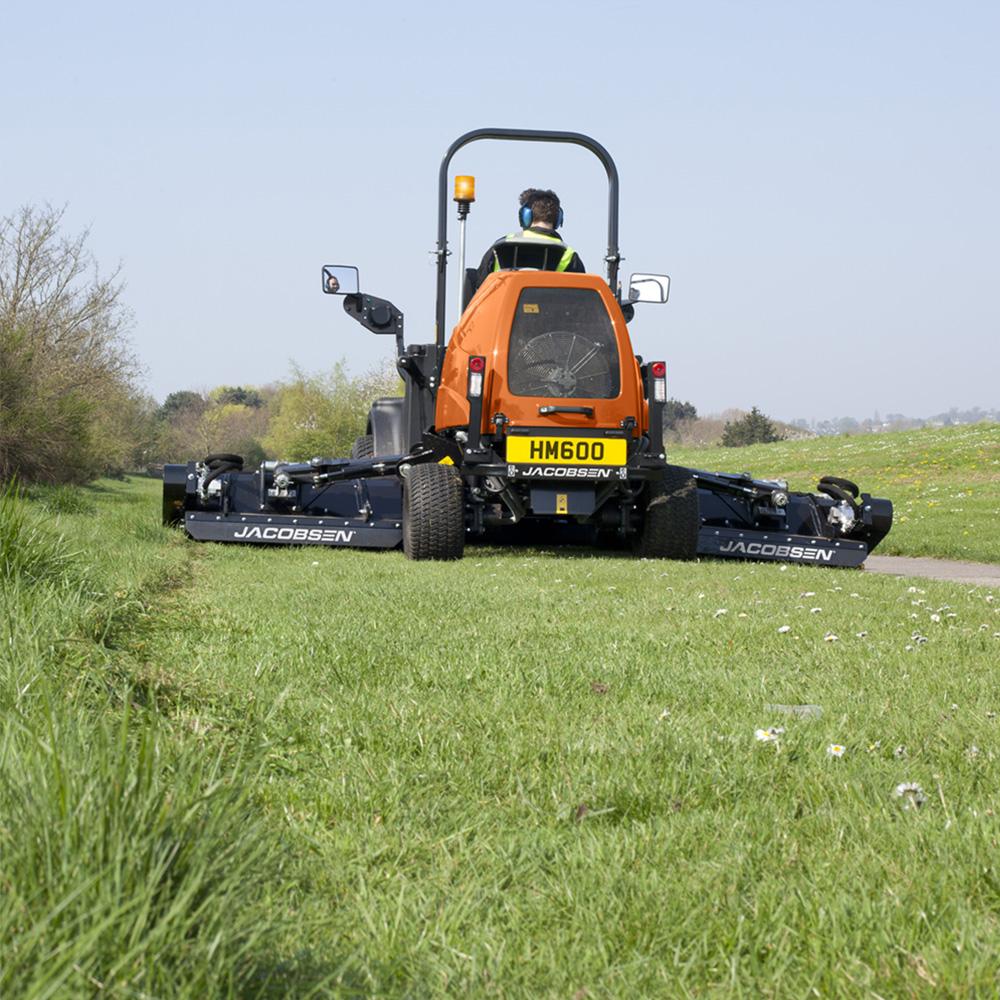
{"x":301,"y":772}
{"x":944,"y":483}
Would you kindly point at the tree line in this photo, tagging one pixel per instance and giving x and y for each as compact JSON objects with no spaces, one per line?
{"x":72,"y":405}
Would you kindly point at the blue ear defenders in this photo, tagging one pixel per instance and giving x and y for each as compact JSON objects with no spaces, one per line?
{"x":525,"y":217}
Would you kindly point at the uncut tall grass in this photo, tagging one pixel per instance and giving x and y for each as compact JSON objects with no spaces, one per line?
{"x":131,"y":862}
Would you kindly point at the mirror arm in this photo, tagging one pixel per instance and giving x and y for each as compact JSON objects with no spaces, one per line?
{"x":376,"y":315}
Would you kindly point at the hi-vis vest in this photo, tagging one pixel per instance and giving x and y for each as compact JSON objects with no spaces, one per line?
{"x":527,"y":236}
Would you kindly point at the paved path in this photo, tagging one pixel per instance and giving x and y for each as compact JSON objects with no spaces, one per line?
{"x":981,"y":574}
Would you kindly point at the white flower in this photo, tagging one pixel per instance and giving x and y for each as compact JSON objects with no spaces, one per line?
{"x":315,"y":564}
{"x":769,"y":735}
{"x":900,"y":751}
{"x":835,"y":750}
{"x":665,"y":714}
{"x":808,"y":593}
{"x":815,"y":611}
{"x":973,"y":751}
{"x":721,"y":612}
{"x":830,"y":637}
{"x":911,"y":794}
{"x":874,"y":747}
{"x":861,"y":635}
{"x":784,"y":629}
{"x":935,"y":618}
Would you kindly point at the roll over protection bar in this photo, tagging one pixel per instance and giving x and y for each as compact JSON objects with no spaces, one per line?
{"x":520,"y":135}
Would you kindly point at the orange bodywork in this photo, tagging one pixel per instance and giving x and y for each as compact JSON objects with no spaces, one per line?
{"x":484,"y":329}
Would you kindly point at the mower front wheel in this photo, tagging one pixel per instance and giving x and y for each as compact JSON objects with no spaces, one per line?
{"x":363,"y":447}
{"x":433,"y":512}
{"x":670,"y":521}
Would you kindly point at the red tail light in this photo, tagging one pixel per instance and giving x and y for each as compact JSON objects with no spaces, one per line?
{"x":659,"y":372}
{"x":477,"y":365}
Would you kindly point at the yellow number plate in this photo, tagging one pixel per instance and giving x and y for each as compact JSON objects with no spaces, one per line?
{"x":567,"y":451}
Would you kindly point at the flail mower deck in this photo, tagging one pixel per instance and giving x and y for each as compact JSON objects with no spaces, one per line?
{"x":536,"y":417}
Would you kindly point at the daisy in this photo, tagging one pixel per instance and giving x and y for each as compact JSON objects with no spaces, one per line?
{"x":911,"y":794}
{"x":835,"y":750}
{"x":769,"y":735}
{"x":784,"y":629}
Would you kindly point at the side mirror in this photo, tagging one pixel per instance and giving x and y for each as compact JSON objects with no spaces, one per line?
{"x":648,"y":288}
{"x":340,"y":280}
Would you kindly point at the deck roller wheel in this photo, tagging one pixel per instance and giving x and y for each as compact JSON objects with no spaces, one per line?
{"x":433,"y":512}
{"x":842,"y":484}
{"x":670,"y":521}
{"x":842,"y":490}
{"x":219,"y":459}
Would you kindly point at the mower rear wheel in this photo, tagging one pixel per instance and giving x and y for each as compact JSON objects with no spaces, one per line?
{"x":363,"y":447}
{"x":433,"y":512}
{"x":670,"y":521}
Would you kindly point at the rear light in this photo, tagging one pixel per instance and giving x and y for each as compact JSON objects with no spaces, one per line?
{"x":659,"y":370}
{"x":477,"y":365}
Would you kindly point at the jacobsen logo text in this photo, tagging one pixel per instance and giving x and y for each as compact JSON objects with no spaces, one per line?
{"x":777,"y":551}
{"x":564,"y":472}
{"x":332,"y":536}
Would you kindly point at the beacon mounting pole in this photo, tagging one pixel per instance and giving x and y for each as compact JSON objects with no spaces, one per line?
{"x":465,"y":195}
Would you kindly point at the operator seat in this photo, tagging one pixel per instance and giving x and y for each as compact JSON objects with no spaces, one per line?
{"x":529,"y":255}
{"x":517,"y":255}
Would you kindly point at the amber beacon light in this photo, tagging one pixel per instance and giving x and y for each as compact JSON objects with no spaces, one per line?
{"x":465,"y":188}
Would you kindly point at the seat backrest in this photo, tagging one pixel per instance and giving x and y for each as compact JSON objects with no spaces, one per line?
{"x":529,"y":255}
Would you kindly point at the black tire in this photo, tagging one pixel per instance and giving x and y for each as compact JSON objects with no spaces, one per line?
{"x":836,"y":493}
{"x":363,"y":447}
{"x":670,"y":520}
{"x":844,"y":484}
{"x":219,"y":459}
{"x":433,"y":512}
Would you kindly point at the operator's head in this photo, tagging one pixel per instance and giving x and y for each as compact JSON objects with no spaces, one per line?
{"x":540,"y":207}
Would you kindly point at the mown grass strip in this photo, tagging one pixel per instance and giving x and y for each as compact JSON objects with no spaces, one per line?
{"x":535,"y":773}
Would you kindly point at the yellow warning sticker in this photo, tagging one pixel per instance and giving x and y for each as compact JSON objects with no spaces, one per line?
{"x":531,"y":307}
{"x":447,"y":460}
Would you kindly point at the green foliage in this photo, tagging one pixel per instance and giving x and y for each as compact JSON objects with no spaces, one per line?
{"x":181,"y":402}
{"x":753,"y":428}
{"x":237,"y":395}
{"x":65,"y":370}
{"x":322,"y":414}
{"x":674,"y":411}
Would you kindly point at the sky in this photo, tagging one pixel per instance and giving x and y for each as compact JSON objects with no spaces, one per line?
{"x":819,"y":180}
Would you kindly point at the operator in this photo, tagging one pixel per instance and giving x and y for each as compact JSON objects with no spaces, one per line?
{"x":540,"y":217}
